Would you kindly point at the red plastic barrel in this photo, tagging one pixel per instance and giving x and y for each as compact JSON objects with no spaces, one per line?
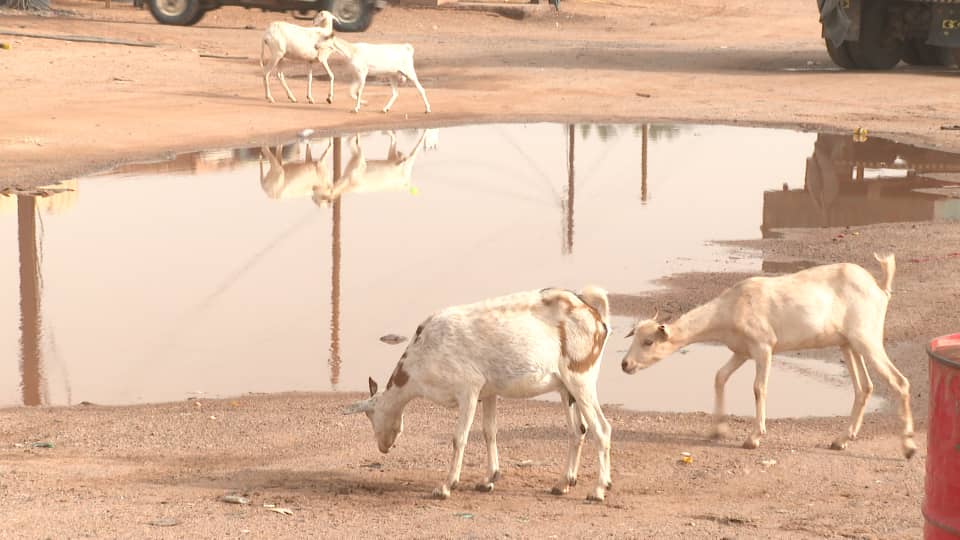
{"x":941,"y":504}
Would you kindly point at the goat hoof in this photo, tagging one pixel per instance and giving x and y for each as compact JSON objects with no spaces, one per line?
{"x":330,"y":101}
{"x":485,"y":488}
{"x":311,"y":101}
{"x":751,"y":444}
{"x":441,"y":493}
{"x":909,"y":448}
{"x":558,"y":490}
{"x":595,"y":497}
{"x":609,"y":485}
{"x":838,"y":445}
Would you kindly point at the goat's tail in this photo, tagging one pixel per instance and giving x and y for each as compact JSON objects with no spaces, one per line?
{"x":889,"y":266}
{"x":596,"y":298}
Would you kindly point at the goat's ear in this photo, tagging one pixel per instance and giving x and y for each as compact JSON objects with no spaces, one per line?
{"x":358,"y":407}
{"x":373,"y":386}
{"x":656,"y":314}
{"x":630,"y":333}
{"x":662,"y":332}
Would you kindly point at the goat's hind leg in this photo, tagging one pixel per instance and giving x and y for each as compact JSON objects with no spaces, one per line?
{"x":423,"y":94}
{"x":862,"y":388}
{"x":599,"y":428}
{"x":394,"y":83}
{"x":577,"y":430}
{"x":875,"y":354}
{"x":763,"y":356}
{"x":283,"y":82}
{"x":490,"y":437}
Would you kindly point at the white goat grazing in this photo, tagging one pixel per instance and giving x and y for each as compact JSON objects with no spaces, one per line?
{"x":288,"y":41}
{"x":364,"y":176}
{"x":393,"y":60}
{"x":516,"y":346}
{"x":291,"y":180}
{"x":831,"y":305}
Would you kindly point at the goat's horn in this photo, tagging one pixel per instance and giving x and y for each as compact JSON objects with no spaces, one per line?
{"x":657,"y":314}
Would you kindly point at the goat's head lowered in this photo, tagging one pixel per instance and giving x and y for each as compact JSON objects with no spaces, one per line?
{"x":386,"y":427}
{"x":651,"y":343}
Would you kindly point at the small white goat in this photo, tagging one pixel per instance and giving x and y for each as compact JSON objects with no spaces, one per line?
{"x":291,"y":180}
{"x":831,"y":305}
{"x":364,"y":176}
{"x":393,"y":60}
{"x":516,"y":346}
{"x":287,"y":41}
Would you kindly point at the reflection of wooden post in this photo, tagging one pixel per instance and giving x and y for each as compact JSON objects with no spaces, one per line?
{"x":643,"y":164}
{"x":335,"y":274}
{"x":568,"y":205}
{"x":860,"y":173}
{"x":29,"y":299}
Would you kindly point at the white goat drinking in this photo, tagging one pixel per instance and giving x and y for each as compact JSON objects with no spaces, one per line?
{"x":832,"y":305}
{"x":516,"y":346}
{"x":287,"y":41}
{"x":392,"y":60}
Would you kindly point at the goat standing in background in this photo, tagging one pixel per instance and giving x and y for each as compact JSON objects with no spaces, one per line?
{"x":516,"y":346}
{"x":287,"y":41}
{"x":832,"y":305}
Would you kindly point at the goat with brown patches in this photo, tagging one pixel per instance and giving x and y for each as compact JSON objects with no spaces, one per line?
{"x":516,"y":346}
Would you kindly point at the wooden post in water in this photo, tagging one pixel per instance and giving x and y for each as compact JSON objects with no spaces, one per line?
{"x":335,"y":273}
{"x":643,"y":163}
{"x":29,"y":299}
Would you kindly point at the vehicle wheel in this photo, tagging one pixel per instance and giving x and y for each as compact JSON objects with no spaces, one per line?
{"x":876,"y":48}
{"x":840,"y":55}
{"x":178,"y":12}
{"x":354,"y":15}
{"x":918,"y":53}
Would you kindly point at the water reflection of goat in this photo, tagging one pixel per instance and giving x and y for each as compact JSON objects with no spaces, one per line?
{"x":296,"y":179}
{"x":365,"y":176}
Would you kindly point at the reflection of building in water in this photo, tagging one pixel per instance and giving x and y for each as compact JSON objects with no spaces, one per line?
{"x":859,"y":183}
{"x":193,"y":162}
{"x":29,"y":204}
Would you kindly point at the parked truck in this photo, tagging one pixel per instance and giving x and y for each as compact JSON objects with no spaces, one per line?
{"x":878,"y":34}
{"x":353,"y":15}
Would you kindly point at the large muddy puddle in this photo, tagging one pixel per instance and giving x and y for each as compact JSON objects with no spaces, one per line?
{"x":253,"y":270}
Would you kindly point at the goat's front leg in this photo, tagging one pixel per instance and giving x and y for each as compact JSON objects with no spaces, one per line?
{"x":310,"y":84}
{"x":468,"y":407}
{"x":577,"y":434}
{"x":394,"y":83}
{"x":763,"y":357}
{"x":361,"y":83}
{"x":719,"y":385}
{"x":326,"y":66}
{"x":490,"y":437}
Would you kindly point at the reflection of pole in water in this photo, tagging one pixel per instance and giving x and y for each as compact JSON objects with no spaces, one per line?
{"x":568,"y":204}
{"x":643,"y":163}
{"x":29,"y":299}
{"x":860,"y":172}
{"x":335,"y":275}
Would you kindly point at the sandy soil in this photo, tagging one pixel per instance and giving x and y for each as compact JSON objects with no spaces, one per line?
{"x":160,"y":470}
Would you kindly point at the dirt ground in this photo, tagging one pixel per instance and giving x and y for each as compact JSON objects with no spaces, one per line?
{"x":159,"y":471}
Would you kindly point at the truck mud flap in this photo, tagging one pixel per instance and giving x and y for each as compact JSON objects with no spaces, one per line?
{"x":840,"y":20}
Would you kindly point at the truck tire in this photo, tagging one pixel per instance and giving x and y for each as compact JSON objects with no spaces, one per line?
{"x":176,"y":12}
{"x":876,"y":48}
{"x":918,"y":53}
{"x":354,"y":15}
{"x":840,"y":55}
